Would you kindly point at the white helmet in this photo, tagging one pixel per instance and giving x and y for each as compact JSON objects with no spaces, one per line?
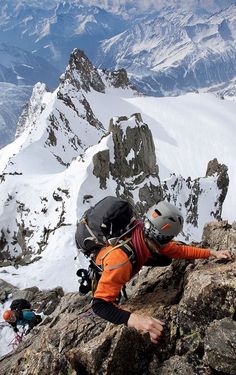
{"x":162,"y":222}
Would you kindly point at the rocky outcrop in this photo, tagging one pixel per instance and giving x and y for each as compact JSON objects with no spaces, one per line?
{"x":189,"y":193}
{"x":220,"y":235}
{"x":117,"y":78}
{"x":134,"y":150}
{"x":220,"y":344}
{"x":214,"y":168}
{"x":82,"y":74}
{"x":130,"y":161}
{"x":42,"y":301}
{"x":197,"y":301}
{"x":6,"y":290}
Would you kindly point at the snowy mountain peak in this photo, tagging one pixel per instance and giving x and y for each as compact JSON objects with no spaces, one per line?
{"x":63,"y":122}
{"x":82,"y":74}
{"x":167,"y":48}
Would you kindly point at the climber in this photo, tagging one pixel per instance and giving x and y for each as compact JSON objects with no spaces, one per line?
{"x":21,"y":314}
{"x":152,"y":243}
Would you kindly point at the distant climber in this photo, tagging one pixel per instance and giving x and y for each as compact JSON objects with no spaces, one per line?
{"x":148,"y":242}
{"x":21,"y":314}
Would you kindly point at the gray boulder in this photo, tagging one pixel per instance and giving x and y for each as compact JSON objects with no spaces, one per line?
{"x":220,"y":346}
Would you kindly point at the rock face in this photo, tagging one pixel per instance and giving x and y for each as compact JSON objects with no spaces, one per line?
{"x":193,"y":195}
{"x":196,"y":299}
{"x":220,"y":344}
{"x":220,"y":235}
{"x":214,"y":168}
{"x":130,"y":161}
{"x":82,"y":74}
{"x":118,"y":78}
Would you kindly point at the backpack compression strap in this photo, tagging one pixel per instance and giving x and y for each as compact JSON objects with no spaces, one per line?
{"x":127,"y":249}
{"x":93,"y":237}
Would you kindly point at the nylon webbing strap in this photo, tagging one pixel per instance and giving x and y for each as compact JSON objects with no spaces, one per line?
{"x":127,"y":250}
{"x":88,"y":229}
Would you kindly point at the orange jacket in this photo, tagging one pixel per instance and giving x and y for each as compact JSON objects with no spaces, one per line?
{"x":117,"y":269}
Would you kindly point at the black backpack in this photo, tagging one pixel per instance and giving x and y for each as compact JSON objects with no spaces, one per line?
{"x":105,"y":223}
{"x":109,"y":219}
{"x":20,"y":304}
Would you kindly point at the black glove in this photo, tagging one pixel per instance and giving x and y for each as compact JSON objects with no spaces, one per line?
{"x":38,"y":319}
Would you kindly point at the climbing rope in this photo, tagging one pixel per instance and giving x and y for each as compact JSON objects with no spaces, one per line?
{"x":17,"y":339}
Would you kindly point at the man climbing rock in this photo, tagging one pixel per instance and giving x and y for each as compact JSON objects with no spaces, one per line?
{"x":21,"y":314}
{"x":148,"y":242}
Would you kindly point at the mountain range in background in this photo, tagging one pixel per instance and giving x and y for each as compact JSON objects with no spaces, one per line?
{"x":167,"y":48}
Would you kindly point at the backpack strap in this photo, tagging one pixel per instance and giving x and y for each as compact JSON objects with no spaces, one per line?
{"x":93,"y":237}
{"x":131,"y":258}
{"x":90,"y":277}
{"x":126,"y":249}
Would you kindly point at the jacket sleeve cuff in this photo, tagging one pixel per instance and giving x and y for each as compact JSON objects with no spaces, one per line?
{"x":110,"y":312}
